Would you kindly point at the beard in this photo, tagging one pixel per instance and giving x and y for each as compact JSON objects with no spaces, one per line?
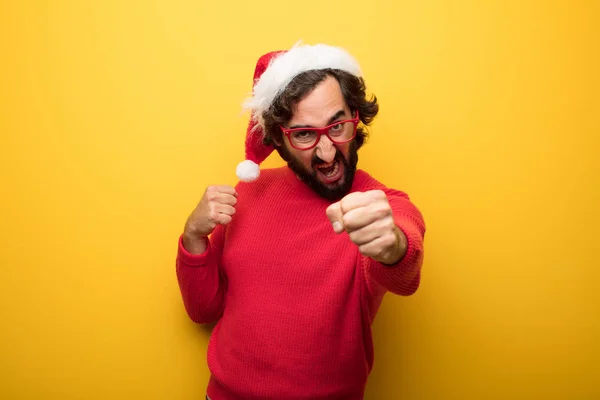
{"x":335,"y":191}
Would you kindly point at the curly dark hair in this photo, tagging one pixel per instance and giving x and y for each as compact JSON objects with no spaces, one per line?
{"x":353,"y":90}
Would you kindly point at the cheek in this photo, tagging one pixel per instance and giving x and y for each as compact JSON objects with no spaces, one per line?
{"x":306,"y":158}
{"x":303,"y":157}
{"x":345,"y":150}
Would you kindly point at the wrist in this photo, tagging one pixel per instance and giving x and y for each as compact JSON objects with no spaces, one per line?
{"x":194,"y":243}
{"x":399,"y":250}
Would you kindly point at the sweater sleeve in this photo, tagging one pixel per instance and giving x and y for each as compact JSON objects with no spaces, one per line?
{"x":402,"y":278}
{"x":201,"y":280}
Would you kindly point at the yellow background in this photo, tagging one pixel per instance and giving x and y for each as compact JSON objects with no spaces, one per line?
{"x":115,"y":115}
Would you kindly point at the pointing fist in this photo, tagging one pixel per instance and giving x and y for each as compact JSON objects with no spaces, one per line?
{"x":368,"y":219}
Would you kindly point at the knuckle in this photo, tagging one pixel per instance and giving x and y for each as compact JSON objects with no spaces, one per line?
{"x":353,"y":195}
{"x":391,"y":224}
{"x":364,"y":250}
{"x":213,"y":215}
{"x":358,"y":197}
{"x":383,"y":209}
{"x":331,"y":209}
{"x":389,"y":240}
{"x":212,"y":196}
{"x":347,"y":221}
{"x":378,"y":194}
{"x":387,"y":223}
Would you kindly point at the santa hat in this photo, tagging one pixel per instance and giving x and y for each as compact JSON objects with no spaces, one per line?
{"x":273,"y":73}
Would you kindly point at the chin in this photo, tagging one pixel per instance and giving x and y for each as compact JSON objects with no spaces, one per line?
{"x":333,"y":191}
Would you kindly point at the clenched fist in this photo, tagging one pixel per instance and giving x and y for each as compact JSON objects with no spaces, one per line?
{"x":368,"y":219}
{"x":215,"y":208}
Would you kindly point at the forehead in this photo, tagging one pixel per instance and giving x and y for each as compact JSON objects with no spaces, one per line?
{"x":325,"y":100}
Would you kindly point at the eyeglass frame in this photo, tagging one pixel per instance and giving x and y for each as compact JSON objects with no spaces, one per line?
{"x":322,"y":131}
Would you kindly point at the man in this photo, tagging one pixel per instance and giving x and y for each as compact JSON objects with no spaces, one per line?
{"x":297,"y":262}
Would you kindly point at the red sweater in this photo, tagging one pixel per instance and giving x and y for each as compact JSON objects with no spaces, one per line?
{"x":294,"y":301}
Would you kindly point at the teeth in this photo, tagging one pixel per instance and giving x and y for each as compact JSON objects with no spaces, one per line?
{"x":330,"y":170}
{"x":324,"y":166}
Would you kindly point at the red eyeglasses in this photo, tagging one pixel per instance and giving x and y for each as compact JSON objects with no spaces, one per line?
{"x":306,"y":138}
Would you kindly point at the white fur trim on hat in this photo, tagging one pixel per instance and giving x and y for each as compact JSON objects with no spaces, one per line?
{"x":286,"y":66}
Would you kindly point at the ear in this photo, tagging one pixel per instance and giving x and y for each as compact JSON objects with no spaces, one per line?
{"x":277,"y":142}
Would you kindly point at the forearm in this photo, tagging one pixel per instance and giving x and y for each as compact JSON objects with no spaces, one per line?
{"x":201,"y":284}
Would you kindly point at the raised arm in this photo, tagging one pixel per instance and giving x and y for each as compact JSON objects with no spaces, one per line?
{"x":389,"y":230}
{"x":201,"y":280}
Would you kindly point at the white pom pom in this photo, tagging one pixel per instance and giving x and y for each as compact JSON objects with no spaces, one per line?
{"x":247,"y":171}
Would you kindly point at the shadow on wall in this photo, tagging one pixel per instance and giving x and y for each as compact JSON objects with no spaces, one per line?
{"x":206,"y":330}
{"x":391,"y":348}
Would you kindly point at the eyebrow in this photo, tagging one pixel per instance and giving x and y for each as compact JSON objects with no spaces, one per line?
{"x":335,"y":116}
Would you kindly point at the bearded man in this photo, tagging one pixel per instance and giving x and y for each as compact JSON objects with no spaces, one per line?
{"x":292,"y":263}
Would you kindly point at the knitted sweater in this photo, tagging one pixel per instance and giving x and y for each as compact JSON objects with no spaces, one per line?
{"x":294,"y":301}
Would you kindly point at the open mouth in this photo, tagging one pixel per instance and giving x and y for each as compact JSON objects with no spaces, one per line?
{"x":330,"y":172}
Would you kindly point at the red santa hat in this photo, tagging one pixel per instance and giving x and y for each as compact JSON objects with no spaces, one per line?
{"x":273,"y":73}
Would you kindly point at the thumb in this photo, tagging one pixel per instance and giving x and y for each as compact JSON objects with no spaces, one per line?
{"x":335,"y":214}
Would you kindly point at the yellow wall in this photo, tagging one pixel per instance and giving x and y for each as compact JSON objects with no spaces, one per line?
{"x":116,"y":114}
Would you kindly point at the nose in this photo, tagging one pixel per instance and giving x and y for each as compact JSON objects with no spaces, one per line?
{"x":325,"y":149}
